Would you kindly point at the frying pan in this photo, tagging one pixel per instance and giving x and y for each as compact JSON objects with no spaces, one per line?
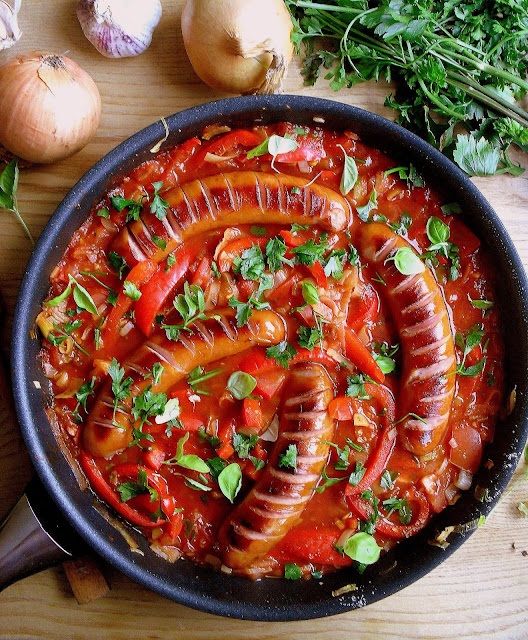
{"x":86,"y":518}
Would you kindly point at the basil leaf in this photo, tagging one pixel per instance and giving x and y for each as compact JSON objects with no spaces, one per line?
{"x":309,"y":293}
{"x":241,"y":384}
{"x":278,"y":145}
{"x":482,"y":304}
{"x":230,"y":481}
{"x":386,"y":364}
{"x":407,"y":262}
{"x":372,"y":204}
{"x":349,"y":177}
{"x":437,"y":231}
{"x":8,"y":185}
{"x":58,"y":299}
{"x":82,"y":298}
{"x":362,"y":547}
{"x":194,"y":462}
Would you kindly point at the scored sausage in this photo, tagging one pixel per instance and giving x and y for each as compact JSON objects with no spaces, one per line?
{"x":213,"y":339}
{"x":241,"y":197}
{"x":281,"y":493}
{"x":427,"y":345}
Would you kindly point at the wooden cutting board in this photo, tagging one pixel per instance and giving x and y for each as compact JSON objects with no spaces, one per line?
{"x":479,"y":592}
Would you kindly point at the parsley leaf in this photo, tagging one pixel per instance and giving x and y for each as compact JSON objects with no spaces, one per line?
{"x":158,"y":206}
{"x":310,"y":252}
{"x":288,"y":458}
{"x":282,"y":352}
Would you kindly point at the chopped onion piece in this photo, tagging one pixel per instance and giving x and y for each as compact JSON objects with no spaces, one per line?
{"x":347,"y":533}
{"x":211,"y":157}
{"x":272,"y":432}
{"x":464,"y":479}
{"x":127,"y":328}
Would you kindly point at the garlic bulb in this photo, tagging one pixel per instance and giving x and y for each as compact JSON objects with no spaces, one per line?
{"x":9,"y":31}
{"x":119,"y":28}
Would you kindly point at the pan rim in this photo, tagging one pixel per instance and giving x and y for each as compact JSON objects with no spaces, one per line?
{"x":132,"y":148}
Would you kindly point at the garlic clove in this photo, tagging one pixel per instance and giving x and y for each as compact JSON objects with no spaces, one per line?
{"x":119,"y":28}
{"x":9,"y":31}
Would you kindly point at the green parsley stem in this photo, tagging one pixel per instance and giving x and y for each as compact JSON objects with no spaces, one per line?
{"x":67,"y":335}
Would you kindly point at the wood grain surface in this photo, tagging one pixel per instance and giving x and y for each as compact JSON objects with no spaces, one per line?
{"x":479,"y":592}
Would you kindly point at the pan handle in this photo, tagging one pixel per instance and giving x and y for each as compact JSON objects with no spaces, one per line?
{"x":34,"y":536}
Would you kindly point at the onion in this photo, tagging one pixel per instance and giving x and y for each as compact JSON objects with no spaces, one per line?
{"x":50,"y":107}
{"x":464,"y":479}
{"x":238,"y":46}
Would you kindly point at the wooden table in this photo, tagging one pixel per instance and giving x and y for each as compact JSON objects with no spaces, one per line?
{"x":480,"y":591}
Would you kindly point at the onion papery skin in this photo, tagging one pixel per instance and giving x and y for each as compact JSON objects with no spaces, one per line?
{"x":50,"y":107}
{"x":238,"y":46}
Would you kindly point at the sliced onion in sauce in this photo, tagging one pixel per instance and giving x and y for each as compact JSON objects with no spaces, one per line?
{"x":272,"y":432}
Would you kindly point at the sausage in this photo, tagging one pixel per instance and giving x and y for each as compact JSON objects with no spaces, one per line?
{"x":428,"y":350}
{"x":281,"y":493}
{"x":241,"y":197}
{"x":213,"y":339}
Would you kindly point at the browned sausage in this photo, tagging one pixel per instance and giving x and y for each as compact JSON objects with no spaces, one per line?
{"x":281,"y":493}
{"x":241,"y":197}
{"x":428,"y":351}
{"x":213,"y":339}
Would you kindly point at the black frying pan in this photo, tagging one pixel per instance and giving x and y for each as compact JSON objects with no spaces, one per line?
{"x":185,"y":582}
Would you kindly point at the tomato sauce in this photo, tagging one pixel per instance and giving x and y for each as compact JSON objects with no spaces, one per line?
{"x":189,"y":453}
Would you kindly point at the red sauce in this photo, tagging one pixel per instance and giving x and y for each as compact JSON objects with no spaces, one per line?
{"x":180,"y":506}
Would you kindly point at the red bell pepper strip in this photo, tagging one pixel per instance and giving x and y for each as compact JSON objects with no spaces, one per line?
{"x":158,"y":289}
{"x":225,"y":433}
{"x":313,"y":543}
{"x":385,"y":526}
{"x":252,"y":413}
{"x":359,"y":355}
{"x":315,"y":355}
{"x":106,"y":493}
{"x":202,"y":275}
{"x":291,"y":239}
{"x":220,"y":146}
{"x":318,"y":273}
{"x":167,"y":502}
{"x":138,"y":276}
{"x":378,"y":461}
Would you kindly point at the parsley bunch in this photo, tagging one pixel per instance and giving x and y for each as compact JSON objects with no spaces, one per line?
{"x":463,"y":60}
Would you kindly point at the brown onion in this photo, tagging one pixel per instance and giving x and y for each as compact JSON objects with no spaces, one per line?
{"x":49,"y":107}
{"x":238,"y":46}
